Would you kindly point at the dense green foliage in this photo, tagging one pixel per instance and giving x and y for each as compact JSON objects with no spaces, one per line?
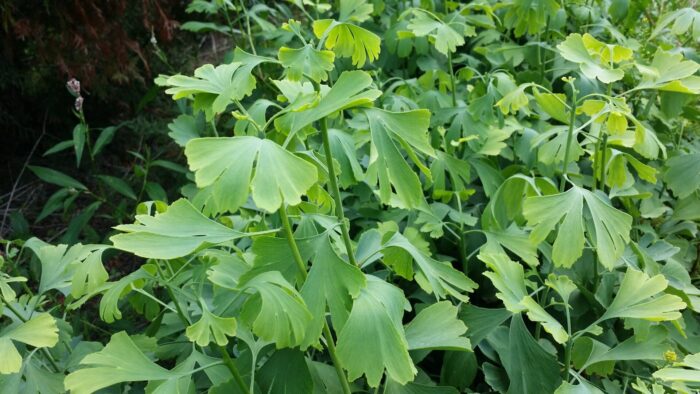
{"x":398,"y":197}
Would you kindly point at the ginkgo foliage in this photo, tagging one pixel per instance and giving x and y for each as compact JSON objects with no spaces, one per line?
{"x":461,"y":197}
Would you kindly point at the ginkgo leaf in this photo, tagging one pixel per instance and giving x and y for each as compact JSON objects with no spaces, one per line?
{"x":680,"y":21}
{"x":109,"y":305}
{"x":516,"y":241}
{"x":40,"y":331}
{"x":554,"y":104}
{"x":387,"y":166}
{"x":6,"y":290}
{"x":530,"y":17}
{"x":447,"y":167}
{"x":639,"y":297}
{"x":355,"y":10}
{"x":447,"y":36}
{"x":609,"y":232}
{"x":219,"y":85}
{"x":306,"y":61}
{"x":275,"y":311}
{"x":441,"y":278}
{"x":348,"y":40}
{"x":437,"y":327}
{"x":210,"y":325}
{"x":588,"y":53}
{"x":11,"y":360}
{"x":68,"y":269}
{"x":177,"y":232}
{"x":530,"y":368}
{"x":686,"y":371}
{"x":344,"y":151}
{"x":562,"y":285}
{"x":588,"y":352}
{"x":274,"y":254}
{"x":514,"y":100}
{"x":350,"y":90}
{"x":670,"y":72}
{"x":225,"y":167}
{"x":509,"y":279}
{"x":683,"y":174}
{"x":89,"y":274}
{"x":332,"y":283}
{"x":373,"y":339}
{"x":183,"y":128}
{"x":120,"y":361}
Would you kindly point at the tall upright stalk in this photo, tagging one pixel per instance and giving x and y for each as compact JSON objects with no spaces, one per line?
{"x":603,"y":152}
{"x":569,"y":138}
{"x":335,"y":191}
{"x":452,"y":79}
{"x":330,"y":343}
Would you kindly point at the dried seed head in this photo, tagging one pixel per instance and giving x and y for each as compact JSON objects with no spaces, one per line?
{"x":79,"y":104}
{"x":73,"y":87}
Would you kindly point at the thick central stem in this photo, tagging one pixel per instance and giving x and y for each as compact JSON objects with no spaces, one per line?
{"x":452,"y":79}
{"x":330,"y":344}
{"x":335,"y":191}
{"x":569,"y":138}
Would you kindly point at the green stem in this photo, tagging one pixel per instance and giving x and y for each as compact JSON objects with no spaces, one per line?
{"x":452,"y":79}
{"x":569,"y":138}
{"x":289,"y":234}
{"x":596,"y":156}
{"x":222,"y":350}
{"x":228,"y":361}
{"x":335,"y":191}
{"x":230,"y":24}
{"x":334,"y":357}
{"x":603,"y":152}
{"x":247,"y":25}
{"x":180,"y":313}
{"x":330,"y":344}
{"x":540,"y":55}
{"x":569,"y":343}
{"x":460,"y":242}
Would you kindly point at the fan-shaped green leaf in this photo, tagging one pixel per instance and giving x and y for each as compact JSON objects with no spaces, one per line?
{"x":593,"y":57}
{"x":639,"y":297}
{"x":350,"y":90}
{"x":332,"y":283}
{"x":670,"y":72}
{"x":679,"y":374}
{"x":683,"y":20}
{"x":509,"y":278}
{"x":609,"y":233}
{"x":306,"y":61}
{"x":177,"y":232}
{"x":683,"y":174}
{"x":214,"y":88}
{"x":373,"y":339}
{"x":348,"y":40}
{"x":225,"y":167}
{"x":437,"y":327}
{"x":275,"y":311}
{"x":387,"y":166}
{"x":210,"y":325}
{"x":40,"y":331}
{"x":441,"y":278}
{"x":447,"y":36}
{"x":120,"y":361}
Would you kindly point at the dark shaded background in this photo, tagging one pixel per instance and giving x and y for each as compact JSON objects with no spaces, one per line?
{"x":106,"y":44}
